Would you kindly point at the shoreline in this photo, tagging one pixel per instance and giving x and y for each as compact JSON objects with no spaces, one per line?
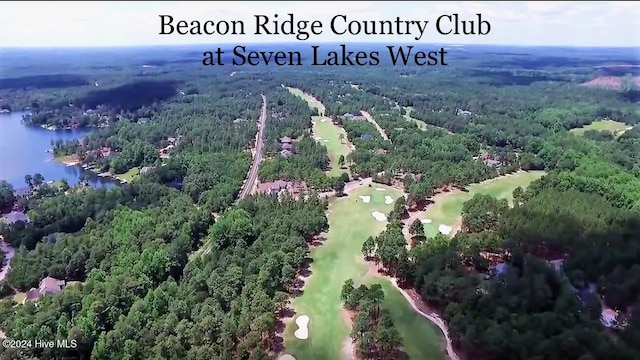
{"x":72,"y":161}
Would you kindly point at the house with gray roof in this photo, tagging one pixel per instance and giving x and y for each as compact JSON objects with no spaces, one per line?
{"x":15,"y":216}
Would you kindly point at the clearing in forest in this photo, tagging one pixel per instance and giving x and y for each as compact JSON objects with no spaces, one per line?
{"x":326,"y":133}
{"x":445,"y":213}
{"x":373,"y":121}
{"x":352,"y":219}
{"x":421,"y":124}
{"x":615,"y":127}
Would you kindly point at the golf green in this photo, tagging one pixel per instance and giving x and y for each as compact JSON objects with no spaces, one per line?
{"x":338,"y":259}
{"x":447,"y":207}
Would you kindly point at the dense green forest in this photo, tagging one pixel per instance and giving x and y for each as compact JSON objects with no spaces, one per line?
{"x":147,"y":289}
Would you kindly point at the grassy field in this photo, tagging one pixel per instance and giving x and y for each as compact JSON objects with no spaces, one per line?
{"x":615,"y":127}
{"x":338,"y":259}
{"x":407,"y":116}
{"x":327,"y":133}
{"x":421,"y":124}
{"x":421,"y":340}
{"x":130,"y":175}
{"x":448,"y":206}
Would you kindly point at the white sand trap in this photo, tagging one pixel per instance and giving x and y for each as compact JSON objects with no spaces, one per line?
{"x":426,"y":221}
{"x":444,"y":229}
{"x":323,"y":120}
{"x":303,"y":327}
{"x":325,"y":140}
{"x":318,"y":138}
{"x":379,"y":216}
{"x":388,"y":200}
{"x":286,"y":357}
{"x":380,"y":189}
{"x":365,"y":198}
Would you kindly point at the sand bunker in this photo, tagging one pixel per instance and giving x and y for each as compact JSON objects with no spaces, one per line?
{"x":426,"y":221}
{"x":365,"y":198}
{"x":286,"y":357}
{"x":379,"y":216}
{"x":325,"y":140}
{"x":303,"y":327}
{"x":318,"y":138}
{"x":323,"y":120}
{"x":444,"y":229}
{"x":388,"y":200}
{"x":380,"y":189}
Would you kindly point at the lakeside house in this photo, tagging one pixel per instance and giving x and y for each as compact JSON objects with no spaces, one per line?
{"x":48,"y":285}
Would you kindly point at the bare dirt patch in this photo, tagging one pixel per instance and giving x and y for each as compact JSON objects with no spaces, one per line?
{"x":609,"y":82}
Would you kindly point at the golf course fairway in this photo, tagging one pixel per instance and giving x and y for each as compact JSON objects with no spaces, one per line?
{"x":338,"y":259}
{"x":326,"y":132}
{"x":421,"y":340}
{"x":447,"y":207}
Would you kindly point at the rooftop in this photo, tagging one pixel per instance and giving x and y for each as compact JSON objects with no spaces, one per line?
{"x":14,"y":217}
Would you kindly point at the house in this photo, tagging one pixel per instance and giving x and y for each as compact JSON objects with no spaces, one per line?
{"x":272,"y":188}
{"x":279,"y":187}
{"x":145,"y":170}
{"x":608,"y":317}
{"x":15,"y":216}
{"x":351,"y":117}
{"x":286,"y":140}
{"x":286,"y":153}
{"x":366,"y":137}
{"x":287,"y":146}
{"x":461,"y":112}
{"x":47,"y":286}
{"x":490,"y":160}
{"x":105,"y":152}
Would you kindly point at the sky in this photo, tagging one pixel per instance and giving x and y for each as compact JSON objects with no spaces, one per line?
{"x":96,"y":24}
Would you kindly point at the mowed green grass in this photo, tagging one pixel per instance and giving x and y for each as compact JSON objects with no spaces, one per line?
{"x":447,"y":207}
{"x":407,"y":116}
{"x":311,"y":101}
{"x":338,"y":259}
{"x":615,"y":127}
{"x":421,"y":124}
{"x":326,"y":130}
{"x":421,"y":340}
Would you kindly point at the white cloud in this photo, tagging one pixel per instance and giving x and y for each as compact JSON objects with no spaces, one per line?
{"x":137,"y":23}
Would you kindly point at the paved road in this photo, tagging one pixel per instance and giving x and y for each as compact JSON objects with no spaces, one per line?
{"x":252,"y":176}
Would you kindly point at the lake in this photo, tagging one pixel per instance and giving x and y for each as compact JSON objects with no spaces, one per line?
{"x":23,"y":150}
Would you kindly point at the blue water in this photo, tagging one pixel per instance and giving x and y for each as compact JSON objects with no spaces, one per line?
{"x":23,"y":150}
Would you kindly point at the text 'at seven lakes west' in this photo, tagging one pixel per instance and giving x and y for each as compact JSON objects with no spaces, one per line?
{"x":339,"y":25}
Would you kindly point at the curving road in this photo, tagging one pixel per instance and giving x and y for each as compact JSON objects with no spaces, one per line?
{"x":252,"y":176}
